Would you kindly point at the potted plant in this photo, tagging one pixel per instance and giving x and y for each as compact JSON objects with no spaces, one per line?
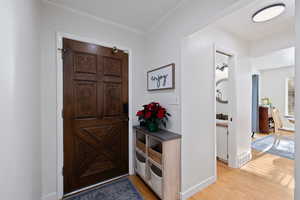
{"x":152,"y":116}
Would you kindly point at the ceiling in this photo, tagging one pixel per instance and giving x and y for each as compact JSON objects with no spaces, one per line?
{"x":277,"y":59}
{"x":138,"y":15}
{"x":240,"y":22}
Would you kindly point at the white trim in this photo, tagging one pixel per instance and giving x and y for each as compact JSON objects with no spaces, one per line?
{"x":59,"y":127}
{"x":287,"y":96}
{"x":286,"y":99}
{"x":198,"y":187}
{"x":234,"y":7}
{"x":215,"y":109}
{"x":102,"y":20}
{"x":50,"y":196}
{"x":276,"y":68}
{"x":158,"y":23}
{"x":166,"y":16}
{"x":59,"y":120}
{"x":232,"y":125}
{"x":243,"y":159}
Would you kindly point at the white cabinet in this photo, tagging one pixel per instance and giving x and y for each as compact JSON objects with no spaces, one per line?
{"x":222,"y":142}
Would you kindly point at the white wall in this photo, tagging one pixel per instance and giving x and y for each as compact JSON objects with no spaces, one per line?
{"x":56,"y":19}
{"x":20,"y":176}
{"x":243,"y":102}
{"x":273,"y":85}
{"x":164,"y":46}
{"x":276,"y":59}
{"x":275,"y":42}
{"x":170,"y":36}
{"x":198,"y":109}
{"x":297,"y":84}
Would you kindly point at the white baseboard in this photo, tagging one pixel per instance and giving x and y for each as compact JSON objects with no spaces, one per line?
{"x":198,"y":187}
{"x":242,"y":159}
{"x":50,"y":196}
{"x":184,"y":195}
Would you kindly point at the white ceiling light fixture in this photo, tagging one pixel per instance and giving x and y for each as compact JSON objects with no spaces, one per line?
{"x":268,"y":13}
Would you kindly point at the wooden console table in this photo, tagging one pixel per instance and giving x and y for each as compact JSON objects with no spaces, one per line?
{"x":158,"y":161}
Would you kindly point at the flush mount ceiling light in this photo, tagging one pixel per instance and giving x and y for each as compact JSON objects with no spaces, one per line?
{"x":268,"y":13}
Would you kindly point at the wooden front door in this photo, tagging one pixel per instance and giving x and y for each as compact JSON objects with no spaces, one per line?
{"x":95,"y":114}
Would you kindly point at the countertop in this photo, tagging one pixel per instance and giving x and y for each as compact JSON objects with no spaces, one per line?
{"x":162,"y":135}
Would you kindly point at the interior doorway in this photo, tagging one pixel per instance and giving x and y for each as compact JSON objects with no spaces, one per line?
{"x":223,"y":112}
{"x":95,"y":114}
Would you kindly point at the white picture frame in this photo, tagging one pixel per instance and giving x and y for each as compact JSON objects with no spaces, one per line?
{"x":162,"y":78}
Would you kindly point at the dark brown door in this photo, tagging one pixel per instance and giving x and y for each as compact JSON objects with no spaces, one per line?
{"x":95,"y":114}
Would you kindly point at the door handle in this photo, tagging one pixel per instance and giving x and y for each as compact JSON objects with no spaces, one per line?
{"x":125,"y":107}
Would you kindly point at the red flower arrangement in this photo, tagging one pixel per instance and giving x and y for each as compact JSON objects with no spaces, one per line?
{"x":152,"y":115}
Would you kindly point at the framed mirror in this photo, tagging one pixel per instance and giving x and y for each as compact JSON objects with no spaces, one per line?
{"x":222,"y":91}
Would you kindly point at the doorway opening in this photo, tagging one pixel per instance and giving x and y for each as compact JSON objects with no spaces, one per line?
{"x":276,"y":102}
{"x":223,"y":109}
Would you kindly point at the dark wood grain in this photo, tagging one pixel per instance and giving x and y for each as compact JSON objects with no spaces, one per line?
{"x":95,"y":123}
{"x":264,"y":120}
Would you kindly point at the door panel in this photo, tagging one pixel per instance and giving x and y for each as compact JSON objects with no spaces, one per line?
{"x":95,"y":122}
{"x":112,"y":67}
{"x":112,"y":99}
{"x":85,"y":99}
{"x":85,"y":63}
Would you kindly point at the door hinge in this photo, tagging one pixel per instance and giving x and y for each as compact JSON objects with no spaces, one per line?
{"x":63,"y":171}
{"x":227,"y":156}
{"x":227,"y":132}
{"x":62,"y":113}
{"x":63,"y":52}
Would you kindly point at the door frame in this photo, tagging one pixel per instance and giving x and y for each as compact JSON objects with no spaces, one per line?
{"x":59,"y":104}
{"x":231,"y":142}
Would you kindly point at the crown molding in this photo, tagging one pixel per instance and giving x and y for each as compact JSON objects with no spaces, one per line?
{"x":166,"y":16}
{"x":102,"y":20}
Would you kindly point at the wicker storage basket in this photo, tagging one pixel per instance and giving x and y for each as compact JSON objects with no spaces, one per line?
{"x":155,"y":154}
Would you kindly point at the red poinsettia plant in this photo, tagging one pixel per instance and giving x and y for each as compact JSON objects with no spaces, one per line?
{"x":153,"y":114}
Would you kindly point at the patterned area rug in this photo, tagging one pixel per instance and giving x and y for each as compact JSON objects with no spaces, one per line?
{"x":118,"y":190}
{"x":285,"y":148}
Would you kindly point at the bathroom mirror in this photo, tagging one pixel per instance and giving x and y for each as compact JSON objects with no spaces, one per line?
{"x":222,"y":91}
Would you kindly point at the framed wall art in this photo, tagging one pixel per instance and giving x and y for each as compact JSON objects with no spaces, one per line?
{"x":162,"y":78}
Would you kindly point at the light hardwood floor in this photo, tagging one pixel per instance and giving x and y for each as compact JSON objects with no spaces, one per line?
{"x":265,"y":177}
